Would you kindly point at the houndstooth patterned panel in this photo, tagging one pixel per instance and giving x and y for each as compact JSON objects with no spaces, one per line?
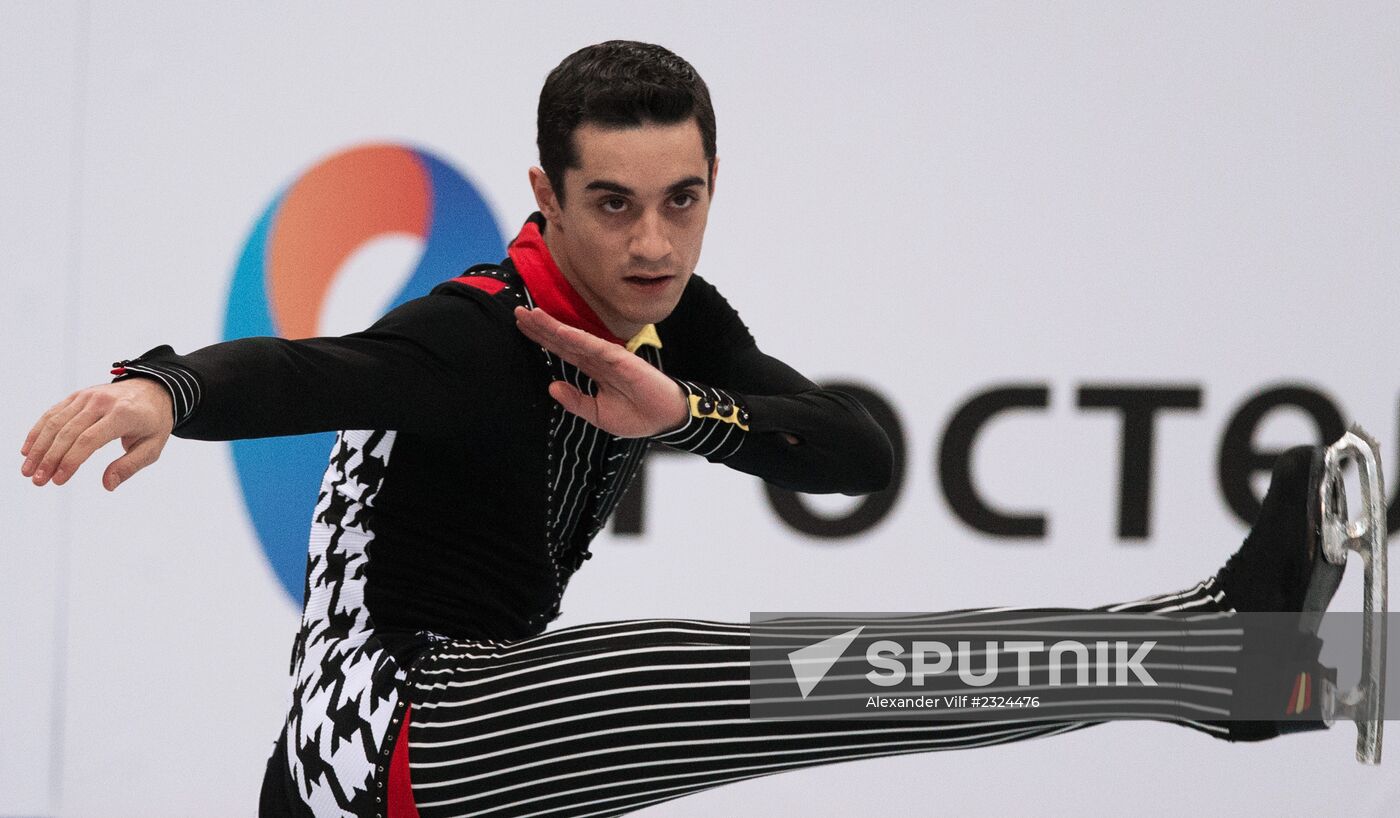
{"x":346,"y":686}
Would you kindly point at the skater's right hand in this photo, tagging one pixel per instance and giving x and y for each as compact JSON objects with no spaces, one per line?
{"x":137,"y":411}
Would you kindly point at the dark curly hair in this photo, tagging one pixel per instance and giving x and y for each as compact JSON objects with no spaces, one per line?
{"x":620,"y":83}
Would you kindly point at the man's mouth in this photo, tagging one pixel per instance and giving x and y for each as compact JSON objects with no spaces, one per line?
{"x":649,"y":282}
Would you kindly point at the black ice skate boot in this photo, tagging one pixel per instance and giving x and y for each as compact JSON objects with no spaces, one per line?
{"x":1281,"y":568}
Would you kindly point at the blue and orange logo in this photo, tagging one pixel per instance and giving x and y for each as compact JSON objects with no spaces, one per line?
{"x":285,"y":273}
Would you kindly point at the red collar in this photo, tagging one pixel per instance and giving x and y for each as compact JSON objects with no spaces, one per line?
{"x":551,"y":291}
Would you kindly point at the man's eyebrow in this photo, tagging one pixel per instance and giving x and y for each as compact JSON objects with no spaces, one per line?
{"x":611,"y":187}
{"x":624,"y":190}
{"x":689,"y":181}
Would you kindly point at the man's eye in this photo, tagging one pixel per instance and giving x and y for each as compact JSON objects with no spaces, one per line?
{"x":613,"y":205}
{"x":683,"y":200}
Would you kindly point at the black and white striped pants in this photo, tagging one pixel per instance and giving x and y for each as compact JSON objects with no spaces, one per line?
{"x":603,"y":719}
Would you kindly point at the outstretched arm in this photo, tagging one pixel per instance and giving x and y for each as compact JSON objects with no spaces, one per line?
{"x":422,"y":365}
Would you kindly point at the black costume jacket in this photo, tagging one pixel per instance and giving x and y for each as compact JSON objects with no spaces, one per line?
{"x":469,"y":496}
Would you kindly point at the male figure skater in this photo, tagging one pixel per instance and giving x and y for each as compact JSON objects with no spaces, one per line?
{"x":487,"y":430}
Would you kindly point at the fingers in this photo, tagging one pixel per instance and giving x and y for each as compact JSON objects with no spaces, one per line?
{"x":585,"y":406}
{"x":542,"y":328}
{"x":141,"y":455}
{"x":38,"y":427}
{"x":79,"y":425}
{"x":573,"y":345}
{"x":41,"y":438}
{"x":86,"y":442}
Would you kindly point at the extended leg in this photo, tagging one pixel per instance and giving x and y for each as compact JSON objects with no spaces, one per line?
{"x":602,"y":719}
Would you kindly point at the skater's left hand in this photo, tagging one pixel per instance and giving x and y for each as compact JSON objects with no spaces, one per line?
{"x":635,"y":399}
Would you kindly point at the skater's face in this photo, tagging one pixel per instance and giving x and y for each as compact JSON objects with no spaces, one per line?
{"x":627,"y":235}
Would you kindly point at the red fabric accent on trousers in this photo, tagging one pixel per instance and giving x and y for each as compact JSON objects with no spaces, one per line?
{"x":400,"y":792}
{"x":552,"y":292}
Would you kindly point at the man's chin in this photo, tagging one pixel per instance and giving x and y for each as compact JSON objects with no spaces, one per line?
{"x":650,"y":316}
{"x":654,"y":309}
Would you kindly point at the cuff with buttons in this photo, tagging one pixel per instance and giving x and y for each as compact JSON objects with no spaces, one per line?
{"x":714,"y":428}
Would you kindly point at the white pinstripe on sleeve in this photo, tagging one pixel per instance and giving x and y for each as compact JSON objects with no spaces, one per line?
{"x":180,"y":382}
{"x":715,"y":427}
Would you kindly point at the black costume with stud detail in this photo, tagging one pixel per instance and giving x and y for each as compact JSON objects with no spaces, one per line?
{"x":473,"y":491}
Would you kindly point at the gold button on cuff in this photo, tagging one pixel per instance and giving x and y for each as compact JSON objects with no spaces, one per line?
{"x":731,"y":417}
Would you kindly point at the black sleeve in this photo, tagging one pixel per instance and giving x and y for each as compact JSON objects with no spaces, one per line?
{"x":416,"y":369}
{"x":743,"y":403}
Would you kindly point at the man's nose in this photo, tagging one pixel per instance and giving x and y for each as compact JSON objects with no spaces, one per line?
{"x":649,"y":240}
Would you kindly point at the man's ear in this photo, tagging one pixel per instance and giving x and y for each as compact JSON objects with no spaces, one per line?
{"x":714,"y":174}
{"x":545,"y":199}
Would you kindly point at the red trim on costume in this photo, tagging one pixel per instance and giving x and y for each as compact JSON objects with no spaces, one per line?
{"x":487,"y":283}
{"x":552,"y":292}
{"x":121,"y":370}
{"x":1300,"y":698}
{"x":400,"y":792}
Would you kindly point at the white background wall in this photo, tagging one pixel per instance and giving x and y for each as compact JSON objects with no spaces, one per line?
{"x":929,"y":198}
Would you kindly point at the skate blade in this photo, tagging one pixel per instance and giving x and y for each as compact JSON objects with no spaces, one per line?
{"x":1366,"y":535}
